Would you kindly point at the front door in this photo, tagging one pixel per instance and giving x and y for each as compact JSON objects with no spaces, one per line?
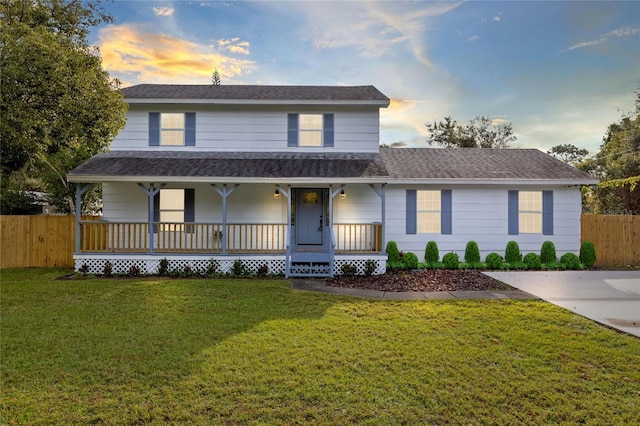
{"x":309,"y":220}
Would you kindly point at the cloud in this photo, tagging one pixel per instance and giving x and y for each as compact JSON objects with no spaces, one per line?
{"x":373,"y":29}
{"x":473,"y":38}
{"x":497,"y":18}
{"x":234,"y":45}
{"x":130,"y":53}
{"x":620,"y":32}
{"x":163,"y":11}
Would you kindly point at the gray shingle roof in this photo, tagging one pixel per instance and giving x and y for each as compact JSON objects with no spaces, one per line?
{"x":232,"y":164}
{"x":254,"y":93}
{"x":391,"y":165}
{"x":477,"y":164}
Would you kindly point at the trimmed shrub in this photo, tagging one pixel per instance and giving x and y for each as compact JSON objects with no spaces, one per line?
{"x":410,"y":261}
{"x":472,"y":253}
{"x":493,"y":261}
{"x":512,"y":253}
{"x":532,"y":261}
{"x":587,"y":254}
{"x":451,"y":261}
{"x":393,"y":254}
{"x":548,"y":253}
{"x":349,"y":270}
{"x":370,"y":267}
{"x":570,"y":261}
{"x":163,"y":268}
{"x":238,"y":268}
{"x":431,"y":254}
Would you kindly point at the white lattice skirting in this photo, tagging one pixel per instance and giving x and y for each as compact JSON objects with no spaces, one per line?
{"x":148,"y":264}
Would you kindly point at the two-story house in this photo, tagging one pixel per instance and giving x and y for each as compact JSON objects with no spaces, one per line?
{"x":292,"y":178}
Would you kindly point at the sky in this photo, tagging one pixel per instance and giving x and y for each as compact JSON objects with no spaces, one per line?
{"x":559,"y":71}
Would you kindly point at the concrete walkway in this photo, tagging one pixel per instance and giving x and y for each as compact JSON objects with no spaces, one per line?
{"x":318,"y":285}
{"x":611,"y":298}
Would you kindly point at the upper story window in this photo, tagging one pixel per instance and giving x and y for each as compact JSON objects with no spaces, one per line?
{"x":172,"y":129}
{"x":310,"y":130}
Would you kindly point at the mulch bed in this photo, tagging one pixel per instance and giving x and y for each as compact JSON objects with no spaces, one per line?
{"x":423,"y":280}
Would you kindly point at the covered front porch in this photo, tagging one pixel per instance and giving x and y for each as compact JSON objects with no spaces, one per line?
{"x":308,"y":242}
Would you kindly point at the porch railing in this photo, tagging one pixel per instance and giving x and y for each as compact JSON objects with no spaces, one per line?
{"x":241,"y":238}
{"x":358,"y":237}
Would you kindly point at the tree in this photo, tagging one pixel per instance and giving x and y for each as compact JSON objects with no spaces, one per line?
{"x":215,"y":78}
{"x":58,"y":107}
{"x":481,"y":132}
{"x":568,"y":153}
{"x":617,"y":164}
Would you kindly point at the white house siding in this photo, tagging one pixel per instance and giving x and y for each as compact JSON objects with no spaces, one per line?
{"x":233,"y":128}
{"x":126,"y":202}
{"x":479,"y":213}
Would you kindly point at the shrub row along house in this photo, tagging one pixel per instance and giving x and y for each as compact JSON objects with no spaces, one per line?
{"x":294,"y":178}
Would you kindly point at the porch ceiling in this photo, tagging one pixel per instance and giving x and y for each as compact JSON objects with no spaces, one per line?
{"x":230,"y":166}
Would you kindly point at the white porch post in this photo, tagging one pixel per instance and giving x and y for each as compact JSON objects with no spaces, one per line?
{"x":81,"y":188}
{"x":224,"y":193}
{"x":381,"y":194}
{"x":287,"y":195}
{"x":151,"y":192}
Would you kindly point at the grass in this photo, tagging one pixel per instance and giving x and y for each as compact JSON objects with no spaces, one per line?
{"x":158,"y":351}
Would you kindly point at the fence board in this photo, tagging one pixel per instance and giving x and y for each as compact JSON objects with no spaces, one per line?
{"x":616,"y":238}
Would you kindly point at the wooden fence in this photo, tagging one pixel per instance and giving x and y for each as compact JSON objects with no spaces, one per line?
{"x":49,"y":241}
{"x":37,"y":241}
{"x":616,"y":238}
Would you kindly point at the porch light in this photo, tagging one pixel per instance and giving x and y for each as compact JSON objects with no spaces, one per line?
{"x":342,"y":194}
{"x":276,"y":194}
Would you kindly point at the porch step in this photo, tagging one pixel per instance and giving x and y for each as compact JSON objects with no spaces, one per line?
{"x":310,"y":264}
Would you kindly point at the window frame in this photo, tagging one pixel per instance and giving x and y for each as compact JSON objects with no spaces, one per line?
{"x":429,"y":227}
{"x":295,"y":132}
{"x":164,"y":131}
{"x":526,"y":226}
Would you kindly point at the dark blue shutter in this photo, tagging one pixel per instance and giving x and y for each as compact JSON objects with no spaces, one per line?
{"x":514,"y":217}
{"x":446,"y":225}
{"x":547,"y":212}
{"x":292,"y":130}
{"x":327,"y":128}
{"x":412,"y":211}
{"x":154,"y":128}
{"x":190,"y":129}
{"x":189,"y":207}
{"x":156,"y":210}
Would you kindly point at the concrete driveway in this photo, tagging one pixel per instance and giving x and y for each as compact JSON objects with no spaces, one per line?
{"x":608,"y":297}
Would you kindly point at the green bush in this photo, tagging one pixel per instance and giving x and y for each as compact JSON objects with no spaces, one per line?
{"x":548,"y":253}
{"x":532,"y":261}
{"x":493,"y":261}
{"x":451,"y":261}
{"x":472,"y":253}
{"x":570,"y":261}
{"x":163,"y":268}
{"x":410,"y":261}
{"x":587,"y":254}
{"x":393,"y":255}
{"x":349,"y":270}
{"x":238,"y":268}
{"x":431,"y":254}
{"x":370,"y":267}
{"x":512,"y":253}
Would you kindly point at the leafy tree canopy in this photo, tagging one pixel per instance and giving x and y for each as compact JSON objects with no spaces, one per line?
{"x":617,"y":164}
{"x":58,"y":107}
{"x":569,"y":153}
{"x":481,"y":132}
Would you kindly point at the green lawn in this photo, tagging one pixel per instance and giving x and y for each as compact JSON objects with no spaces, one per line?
{"x":138,"y":351}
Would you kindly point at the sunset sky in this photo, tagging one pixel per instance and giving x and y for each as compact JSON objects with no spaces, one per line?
{"x":560,"y":71}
